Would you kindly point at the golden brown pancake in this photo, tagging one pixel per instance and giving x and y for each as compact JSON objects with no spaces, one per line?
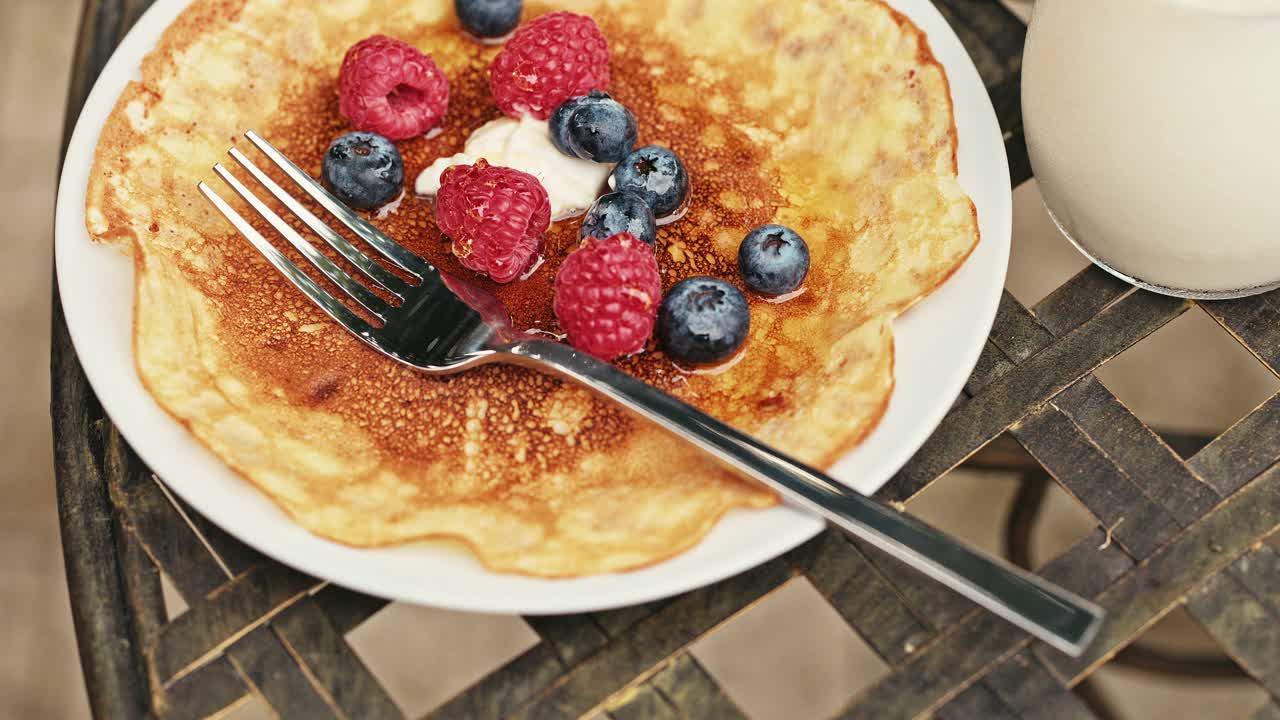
{"x":831,"y":117}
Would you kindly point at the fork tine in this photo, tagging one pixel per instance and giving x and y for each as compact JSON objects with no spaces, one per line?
{"x":318,"y":295}
{"x":392,"y":250}
{"x":340,"y":277}
{"x":379,"y":274}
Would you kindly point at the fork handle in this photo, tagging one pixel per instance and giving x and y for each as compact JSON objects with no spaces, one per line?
{"x":1057,"y":616}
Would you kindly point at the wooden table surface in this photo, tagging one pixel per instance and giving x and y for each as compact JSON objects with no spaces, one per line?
{"x":1180,"y":522}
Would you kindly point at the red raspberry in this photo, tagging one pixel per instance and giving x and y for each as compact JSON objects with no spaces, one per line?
{"x":496,"y":217}
{"x":389,"y":87}
{"x":607,"y":296}
{"x":548,"y":61}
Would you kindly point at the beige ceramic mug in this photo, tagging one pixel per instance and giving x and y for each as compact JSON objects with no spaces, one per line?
{"x":1154,"y":131}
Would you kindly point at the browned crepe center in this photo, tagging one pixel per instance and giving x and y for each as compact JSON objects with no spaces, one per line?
{"x":418,"y":417}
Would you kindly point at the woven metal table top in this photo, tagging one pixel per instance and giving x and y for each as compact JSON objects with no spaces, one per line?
{"x":1192,"y":528}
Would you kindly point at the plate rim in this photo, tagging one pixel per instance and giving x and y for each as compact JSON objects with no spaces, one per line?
{"x":592,"y":593}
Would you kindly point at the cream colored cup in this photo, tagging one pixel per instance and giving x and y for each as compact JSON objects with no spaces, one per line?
{"x":1154,"y":131}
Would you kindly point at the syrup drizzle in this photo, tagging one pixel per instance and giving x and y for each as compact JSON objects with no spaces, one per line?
{"x":546,"y":333}
{"x":390,"y":208}
{"x":717,"y":369}
{"x":779,"y":299}
{"x":534,"y":267}
{"x":679,"y":213}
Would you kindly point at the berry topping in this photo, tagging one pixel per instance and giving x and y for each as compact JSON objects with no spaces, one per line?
{"x":488,"y":18}
{"x":363,"y":170}
{"x":620,"y":212}
{"x":703,"y":320}
{"x":391,"y":88}
{"x":548,"y":61}
{"x":773,"y":259}
{"x":593,"y":127}
{"x":558,"y":121}
{"x":657,"y":175}
{"x":495,"y":216}
{"x":607,"y":295}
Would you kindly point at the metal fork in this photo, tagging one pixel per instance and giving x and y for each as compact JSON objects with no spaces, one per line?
{"x":443,"y":325}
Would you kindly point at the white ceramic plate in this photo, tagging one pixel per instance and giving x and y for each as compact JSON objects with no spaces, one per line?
{"x":938,"y":343}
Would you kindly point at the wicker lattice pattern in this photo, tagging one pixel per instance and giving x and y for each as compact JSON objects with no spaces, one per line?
{"x":1195,"y":532}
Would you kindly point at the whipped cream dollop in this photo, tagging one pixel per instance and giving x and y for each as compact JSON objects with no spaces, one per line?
{"x":525,"y":144}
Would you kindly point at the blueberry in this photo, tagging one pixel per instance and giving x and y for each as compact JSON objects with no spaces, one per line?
{"x":703,"y":320}
{"x":593,"y":127}
{"x":658,"y":175}
{"x":773,"y":259}
{"x":363,"y":170}
{"x":559,"y":121}
{"x":488,"y":18}
{"x":619,"y":212}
